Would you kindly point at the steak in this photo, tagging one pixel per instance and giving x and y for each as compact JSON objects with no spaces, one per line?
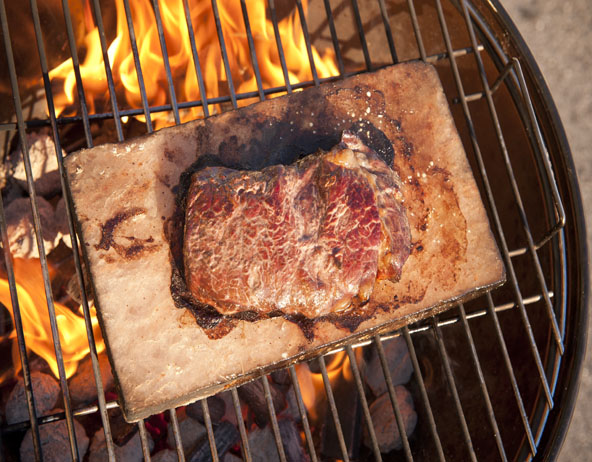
{"x":311,"y":238}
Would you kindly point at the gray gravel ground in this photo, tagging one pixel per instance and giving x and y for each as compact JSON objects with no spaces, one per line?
{"x":559,"y":34}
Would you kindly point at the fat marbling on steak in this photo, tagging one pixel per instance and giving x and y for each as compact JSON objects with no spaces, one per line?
{"x":310,"y":238}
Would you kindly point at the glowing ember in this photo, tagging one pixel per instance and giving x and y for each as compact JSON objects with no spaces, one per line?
{"x":181,"y":58}
{"x":35,"y":319}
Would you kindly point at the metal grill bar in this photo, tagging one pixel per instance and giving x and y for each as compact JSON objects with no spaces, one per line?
{"x":108,"y":73}
{"x":224,"y":53}
{"x":452,"y":388}
{"x":71,"y":229}
{"x":482,"y":384}
{"x":356,"y":373}
{"x":246,"y":450}
{"x":138,"y":66}
{"x":209,"y":430}
{"x":493,"y":209}
{"x":334,"y":39}
{"x":424,"y":393}
{"x":333,"y":408}
{"x":387,"y":30}
{"x":393,"y":397}
{"x":144,"y":440}
{"x":361,"y":34}
{"x":195,"y":56}
{"x":39,"y":239}
{"x":252,"y":50}
{"x":76,"y":65}
{"x":303,"y":415}
{"x":416,"y":31}
{"x":274,"y":422}
{"x":514,"y":383}
{"x":280,"y":48}
{"x":177,"y":432}
{"x":66,"y":120}
{"x":166,"y":62}
{"x":313,"y":67}
{"x":512,"y":178}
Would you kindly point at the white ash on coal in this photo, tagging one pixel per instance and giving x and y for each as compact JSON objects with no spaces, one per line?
{"x":82,"y":386}
{"x":44,"y":164}
{"x":61,"y":218}
{"x":45,"y":392}
{"x":55,"y":442}
{"x":385,"y":423}
{"x":191,"y":432}
{"x":399,"y":365}
{"x":262,"y":445}
{"x":131,"y":451}
{"x":21,"y":231}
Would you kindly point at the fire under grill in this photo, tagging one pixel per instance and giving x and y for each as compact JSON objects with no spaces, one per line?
{"x":493,"y":379}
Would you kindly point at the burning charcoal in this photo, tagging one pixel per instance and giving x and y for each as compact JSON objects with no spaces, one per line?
{"x":281,"y":377}
{"x":121,"y":431}
{"x":291,"y":411}
{"x":253,"y":394}
{"x":397,"y":357}
{"x":44,"y":164}
{"x":230,"y":413}
{"x":191,"y":433}
{"x":61,"y":218}
{"x":45,"y":390}
{"x":73,"y":286}
{"x":216,"y":406}
{"x":226,"y":436}
{"x":21,"y":231}
{"x":385,"y":424}
{"x":291,"y":441}
{"x":262,"y":445}
{"x":82,"y":386}
{"x":131,"y":451}
{"x":55,"y":442}
{"x":167,"y":455}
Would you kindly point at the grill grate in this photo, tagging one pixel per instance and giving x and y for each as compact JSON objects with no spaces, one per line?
{"x":545,"y":261}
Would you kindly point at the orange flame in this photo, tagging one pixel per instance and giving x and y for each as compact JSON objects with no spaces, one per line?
{"x":312,"y":385}
{"x":181,"y":58}
{"x":35,"y":320}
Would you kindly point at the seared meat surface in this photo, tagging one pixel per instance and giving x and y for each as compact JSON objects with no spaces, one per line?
{"x":310,"y":238}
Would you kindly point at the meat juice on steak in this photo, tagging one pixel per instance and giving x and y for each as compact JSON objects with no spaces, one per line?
{"x":306,"y":239}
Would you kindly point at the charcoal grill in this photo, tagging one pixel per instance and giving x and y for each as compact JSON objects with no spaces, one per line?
{"x":493,"y":379}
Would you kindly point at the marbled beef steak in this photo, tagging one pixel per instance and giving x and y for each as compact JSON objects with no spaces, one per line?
{"x":310,"y":238}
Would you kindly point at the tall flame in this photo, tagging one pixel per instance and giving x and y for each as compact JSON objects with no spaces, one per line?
{"x":35,"y":320}
{"x":180,"y":56}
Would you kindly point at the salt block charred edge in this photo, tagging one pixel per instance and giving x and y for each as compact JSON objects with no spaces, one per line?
{"x":132,"y":415}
